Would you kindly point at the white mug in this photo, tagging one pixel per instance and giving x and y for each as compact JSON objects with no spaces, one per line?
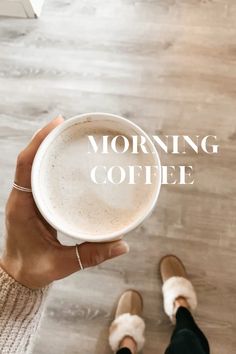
{"x":39,"y":195}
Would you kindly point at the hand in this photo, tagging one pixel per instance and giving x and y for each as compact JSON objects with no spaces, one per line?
{"x":32,"y":255}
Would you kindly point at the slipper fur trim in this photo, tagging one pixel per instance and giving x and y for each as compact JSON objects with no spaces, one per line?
{"x":127,"y":325}
{"x":175,"y":287}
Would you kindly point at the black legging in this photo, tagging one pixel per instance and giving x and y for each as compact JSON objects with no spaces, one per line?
{"x":187,"y":337}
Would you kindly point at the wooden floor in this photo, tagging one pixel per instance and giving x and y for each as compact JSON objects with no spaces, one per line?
{"x":170,"y":66}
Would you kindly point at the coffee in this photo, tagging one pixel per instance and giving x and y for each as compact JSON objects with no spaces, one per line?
{"x":70,"y":195}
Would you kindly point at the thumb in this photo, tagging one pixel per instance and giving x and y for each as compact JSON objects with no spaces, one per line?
{"x":91,"y":254}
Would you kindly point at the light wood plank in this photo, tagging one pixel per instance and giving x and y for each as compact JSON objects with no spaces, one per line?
{"x":169,"y":66}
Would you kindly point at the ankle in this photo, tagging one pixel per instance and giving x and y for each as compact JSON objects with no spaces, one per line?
{"x":129,"y":342}
{"x":181,"y":302}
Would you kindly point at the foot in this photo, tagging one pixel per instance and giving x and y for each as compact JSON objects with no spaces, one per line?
{"x":129,"y":342}
{"x":127,"y":329}
{"x":177,"y":289}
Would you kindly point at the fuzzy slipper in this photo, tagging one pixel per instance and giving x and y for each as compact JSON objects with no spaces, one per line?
{"x":127,"y":320}
{"x":175,"y":284}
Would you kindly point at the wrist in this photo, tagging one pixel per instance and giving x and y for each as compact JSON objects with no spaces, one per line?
{"x":19,"y":273}
{"x":9,"y":266}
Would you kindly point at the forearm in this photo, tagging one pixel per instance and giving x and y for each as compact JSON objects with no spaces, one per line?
{"x":20,"y":312}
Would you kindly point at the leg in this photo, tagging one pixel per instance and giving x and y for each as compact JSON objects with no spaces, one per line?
{"x":187,"y":337}
{"x":124,"y":351}
{"x":179,"y":299}
{"x":127,"y":329}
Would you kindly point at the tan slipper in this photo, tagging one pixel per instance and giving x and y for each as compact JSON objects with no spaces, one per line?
{"x":127,"y":320}
{"x":175,"y":285}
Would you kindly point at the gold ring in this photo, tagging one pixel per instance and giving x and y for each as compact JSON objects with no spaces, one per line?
{"x":22,"y":189}
{"x":78,"y":257}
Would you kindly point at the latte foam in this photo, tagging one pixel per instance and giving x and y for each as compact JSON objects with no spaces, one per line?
{"x":74,"y":200}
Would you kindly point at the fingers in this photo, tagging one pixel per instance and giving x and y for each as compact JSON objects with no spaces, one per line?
{"x":91,"y":254}
{"x":26,"y":157}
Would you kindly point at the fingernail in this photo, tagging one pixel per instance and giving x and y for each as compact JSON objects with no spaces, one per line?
{"x":119,"y":248}
{"x":60,"y":117}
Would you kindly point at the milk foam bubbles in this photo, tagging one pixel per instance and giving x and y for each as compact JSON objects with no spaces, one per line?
{"x":77,"y":203}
